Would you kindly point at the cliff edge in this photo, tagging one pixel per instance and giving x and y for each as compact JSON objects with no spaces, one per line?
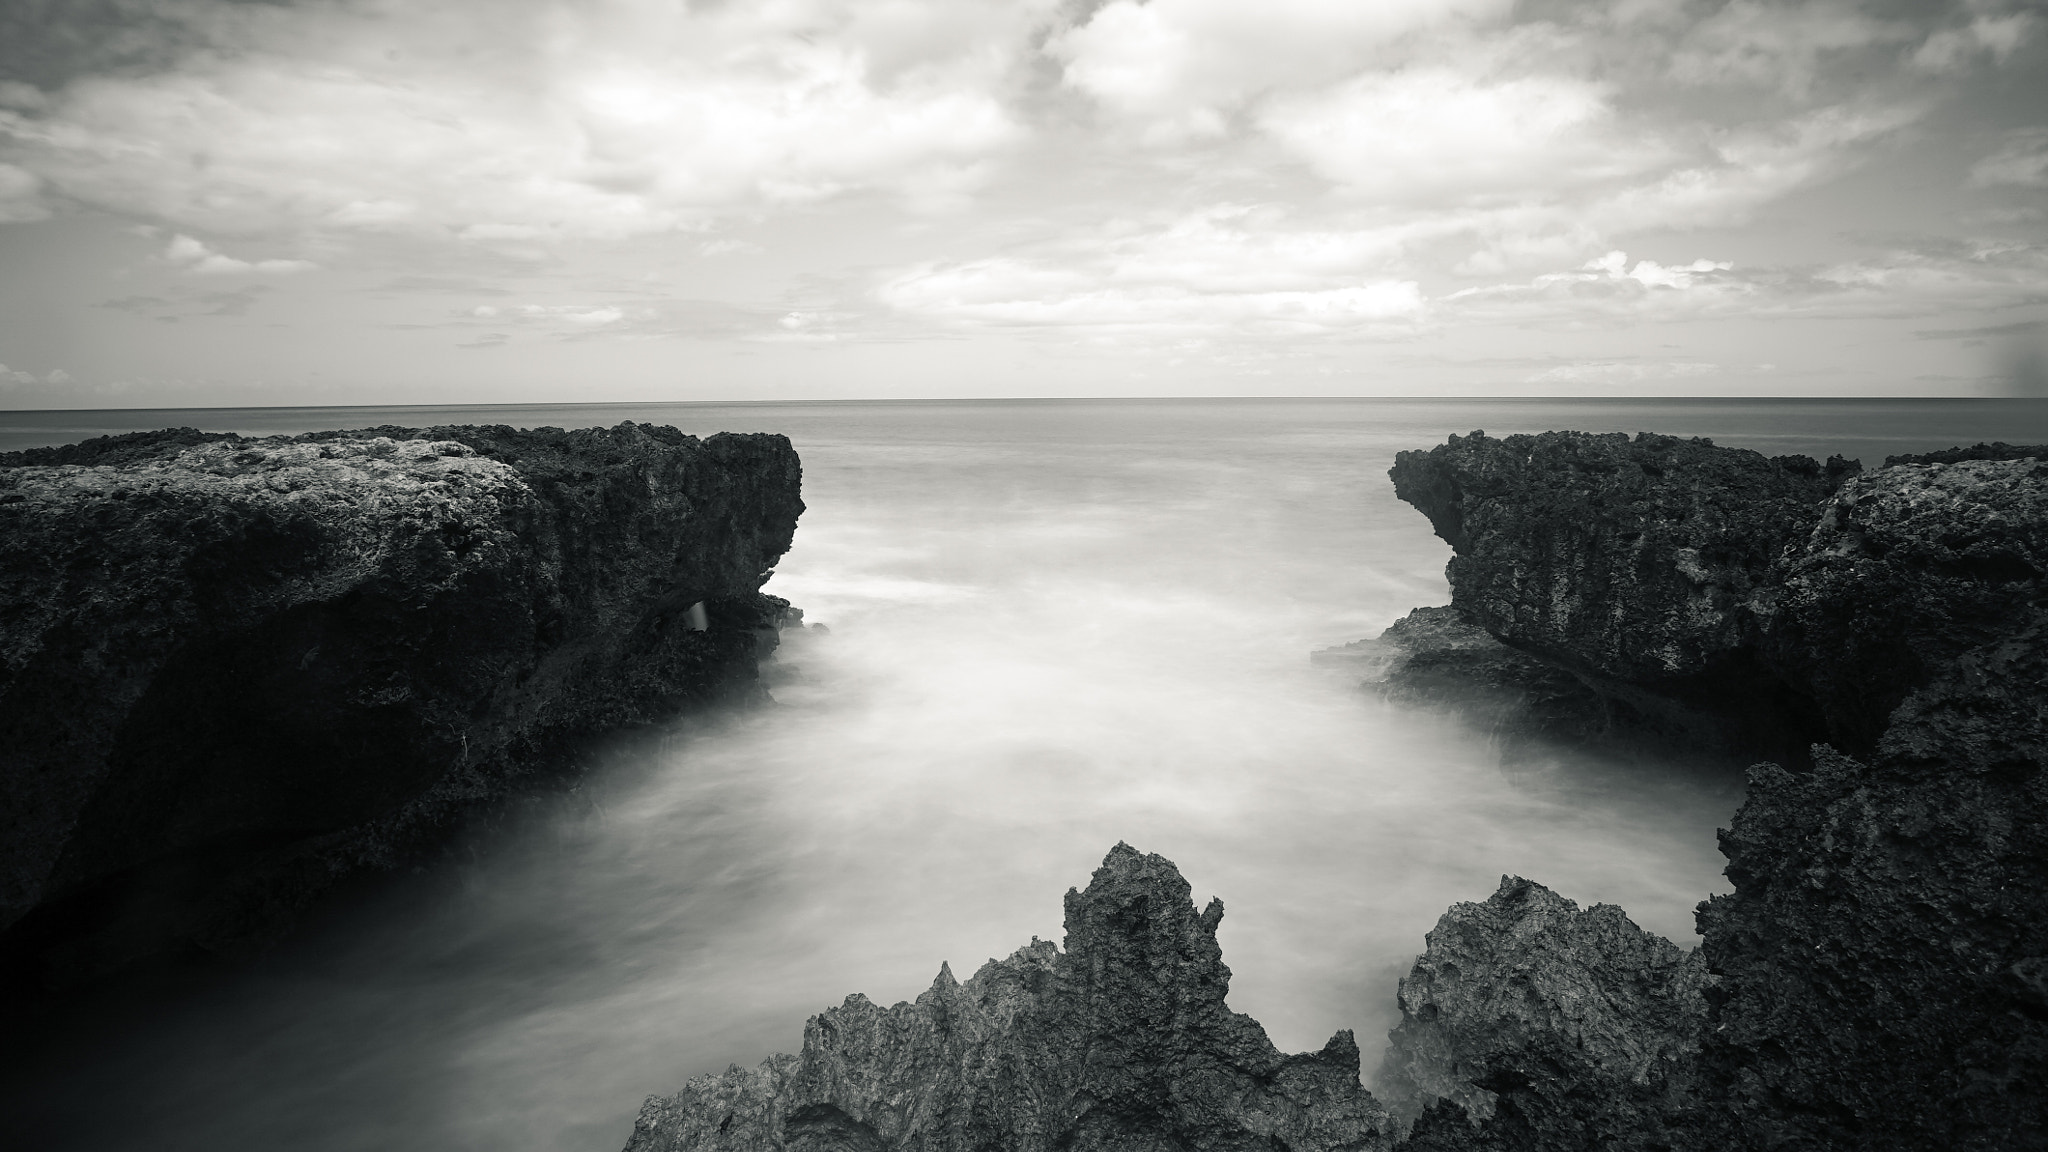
{"x":232,"y":670}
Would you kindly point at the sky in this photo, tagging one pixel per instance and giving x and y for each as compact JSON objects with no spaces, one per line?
{"x":230,"y":202}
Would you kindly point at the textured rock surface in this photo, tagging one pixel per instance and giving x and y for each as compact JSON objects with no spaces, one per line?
{"x":1644,"y":565}
{"x":1886,"y":946}
{"x":1882,"y":964}
{"x":1910,"y":568}
{"x":1122,"y":1042}
{"x":1548,"y":1026}
{"x":1883,"y":960}
{"x":232,"y":669}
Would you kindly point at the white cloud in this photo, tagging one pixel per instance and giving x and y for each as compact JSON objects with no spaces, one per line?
{"x":2021,"y":163}
{"x":534,"y":118}
{"x":1180,"y":68}
{"x":1996,"y":35}
{"x":15,"y":377}
{"x":1608,"y":288}
{"x":1234,"y":266}
{"x":1777,"y":45}
{"x":1434,"y":132}
{"x":1751,"y":167}
{"x":195,"y":257}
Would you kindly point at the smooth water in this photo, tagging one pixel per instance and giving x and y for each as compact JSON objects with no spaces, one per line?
{"x":1053,"y":625}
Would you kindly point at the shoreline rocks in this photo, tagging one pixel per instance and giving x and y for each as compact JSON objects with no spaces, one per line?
{"x":1548,"y":1025}
{"x":1878,"y":971}
{"x":1121,"y":1042}
{"x":233,"y":671}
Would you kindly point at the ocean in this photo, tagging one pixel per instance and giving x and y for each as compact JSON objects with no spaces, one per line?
{"x":1051,"y":626}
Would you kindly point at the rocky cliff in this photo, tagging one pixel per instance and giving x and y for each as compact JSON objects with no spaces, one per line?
{"x":1642,"y":565}
{"x":1880,"y":972}
{"x":234,"y":669}
{"x":1119,"y":1043}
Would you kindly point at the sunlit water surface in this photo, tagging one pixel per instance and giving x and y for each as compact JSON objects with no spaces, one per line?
{"x":1053,"y":626}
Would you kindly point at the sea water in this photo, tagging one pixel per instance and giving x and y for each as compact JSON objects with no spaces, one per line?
{"x":1050,"y":626}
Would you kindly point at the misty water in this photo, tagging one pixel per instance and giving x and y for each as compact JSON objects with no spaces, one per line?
{"x":1052,"y":626}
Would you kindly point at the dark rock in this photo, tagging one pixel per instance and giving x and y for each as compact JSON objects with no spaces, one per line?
{"x":1998,"y":450}
{"x":1546,"y":1027}
{"x":1907,"y":570}
{"x":1881,"y":960}
{"x":1122,"y":1042}
{"x":1642,"y":565}
{"x":1882,"y":963}
{"x":232,"y":670}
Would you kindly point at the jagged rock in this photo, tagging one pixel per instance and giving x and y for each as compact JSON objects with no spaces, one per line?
{"x":1882,"y":964}
{"x":233,"y":669}
{"x":1122,"y":1042}
{"x":1882,"y":960}
{"x":1908,"y":569}
{"x":1642,"y":565}
{"x":1546,"y":1027}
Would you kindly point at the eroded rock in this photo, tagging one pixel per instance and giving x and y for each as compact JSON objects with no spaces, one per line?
{"x":232,"y":670}
{"x":1121,"y":1042}
{"x":1546,"y":1026}
{"x":1645,"y":565}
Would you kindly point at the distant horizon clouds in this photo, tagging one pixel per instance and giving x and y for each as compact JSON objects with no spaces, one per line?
{"x":334,"y":201}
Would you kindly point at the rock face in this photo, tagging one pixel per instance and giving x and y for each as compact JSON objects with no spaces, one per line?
{"x":1642,"y":565}
{"x":1883,"y":961}
{"x":1881,"y":968}
{"x":1122,"y":1042}
{"x":233,"y":669}
{"x":1548,"y":1026}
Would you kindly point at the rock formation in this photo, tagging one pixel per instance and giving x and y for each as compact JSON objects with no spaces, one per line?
{"x":1640,"y":565}
{"x":1881,"y":969}
{"x":1121,"y":1043}
{"x":233,"y":669}
{"x":1552,"y":1026}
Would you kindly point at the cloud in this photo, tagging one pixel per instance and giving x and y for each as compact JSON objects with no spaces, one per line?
{"x":21,"y":196}
{"x":1621,"y":372}
{"x":1996,"y":35}
{"x":1969,"y":276}
{"x":1237,"y":267}
{"x":197,"y":258}
{"x":1180,"y":68}
{"x":537,"y":118}
{"x":2021,"y":163}
{"x":1429,"y":133}
{"x":1781,"y":46}
{"x":17,"y":378}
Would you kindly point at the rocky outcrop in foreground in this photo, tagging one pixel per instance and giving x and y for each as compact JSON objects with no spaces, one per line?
{"x":1880,"y":972}
{"x":1120,"y":1043}
{"x":1551,"y":1026}
{"x":232,"y":670}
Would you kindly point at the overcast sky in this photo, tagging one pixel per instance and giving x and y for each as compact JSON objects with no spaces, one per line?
{"x":206,"y":202}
